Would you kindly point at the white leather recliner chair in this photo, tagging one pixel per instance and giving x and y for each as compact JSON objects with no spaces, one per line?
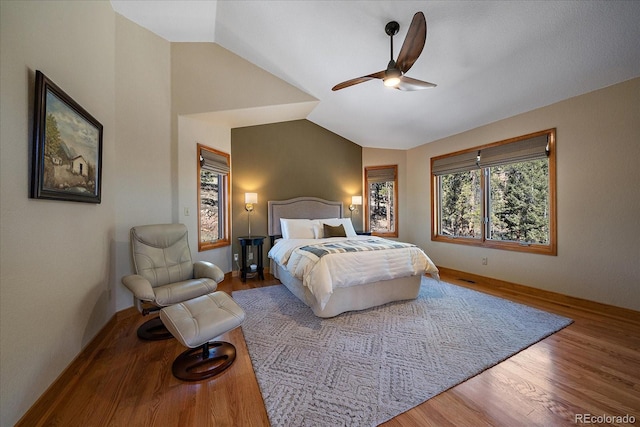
{"x":165,"y":274}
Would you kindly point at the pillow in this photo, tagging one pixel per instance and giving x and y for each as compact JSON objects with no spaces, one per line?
{"x":297,"y":228}
{"x":345,"y":222}
{"x":331,"y":231}
{"x":317,"y":231}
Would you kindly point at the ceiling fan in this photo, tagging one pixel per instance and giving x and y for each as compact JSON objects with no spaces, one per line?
{"x":394,"y":76}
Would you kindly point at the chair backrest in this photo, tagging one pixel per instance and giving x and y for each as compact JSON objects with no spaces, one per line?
{"x":161,"y":253}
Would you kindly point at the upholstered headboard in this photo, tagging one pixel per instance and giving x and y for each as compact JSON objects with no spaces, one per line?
{"x":300,"y":208}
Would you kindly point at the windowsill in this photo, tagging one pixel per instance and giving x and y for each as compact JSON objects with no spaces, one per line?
{"x":506,"y":246}
{"x":202,"y":247}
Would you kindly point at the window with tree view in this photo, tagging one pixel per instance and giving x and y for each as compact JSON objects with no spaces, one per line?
{"x":501,"y":195}
{"x":381,"y":210}
{"x":213,"y":198}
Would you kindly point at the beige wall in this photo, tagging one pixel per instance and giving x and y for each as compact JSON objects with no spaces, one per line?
{"x":62,"y":261}
{"x":291,"y":159}
{"x":206,"y":77}
{"x":193,"y":131}
{"x":598,"y":147}
{"x":56,"y":257}
{"x":142,"y":189}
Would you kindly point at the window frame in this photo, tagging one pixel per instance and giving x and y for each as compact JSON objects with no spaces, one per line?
{"x":225,"y":240}
{"x":484,"y":241}
{"x":395,"y":201}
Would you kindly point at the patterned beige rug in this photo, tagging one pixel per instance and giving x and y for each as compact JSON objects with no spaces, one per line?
{"x":364,"y":368}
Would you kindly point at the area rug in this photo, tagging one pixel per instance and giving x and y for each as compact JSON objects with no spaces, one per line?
{"x":364,"y":368}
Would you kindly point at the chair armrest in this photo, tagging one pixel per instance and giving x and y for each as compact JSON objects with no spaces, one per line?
{"x":207,"y":269}
{"x":140,"y":287}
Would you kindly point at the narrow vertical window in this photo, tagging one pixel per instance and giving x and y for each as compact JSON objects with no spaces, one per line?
{"x":213,"y":198}
{"x":381,"y":210}
{"x":461,"y":205}
{"x":519,"y":202}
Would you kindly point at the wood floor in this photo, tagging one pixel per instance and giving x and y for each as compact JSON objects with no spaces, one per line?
{"x":589,"y":369}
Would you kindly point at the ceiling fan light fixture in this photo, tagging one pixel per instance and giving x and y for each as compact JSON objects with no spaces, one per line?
{"x":392,"y":81}
{"x":392,"y":77}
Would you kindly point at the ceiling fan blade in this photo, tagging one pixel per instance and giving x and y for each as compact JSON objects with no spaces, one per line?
{"x":378,"y":75}
{"x":409,"y":84}
{"x":413,"y":42}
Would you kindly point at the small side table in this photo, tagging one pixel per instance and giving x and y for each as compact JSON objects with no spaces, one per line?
{"x":256,"y":241}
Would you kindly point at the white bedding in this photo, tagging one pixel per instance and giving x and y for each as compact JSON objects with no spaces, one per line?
{"x":322,"y":275}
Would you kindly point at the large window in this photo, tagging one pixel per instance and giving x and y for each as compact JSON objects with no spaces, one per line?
{"x":500,"y":195}
{"x":381,"y":210}
{"x":213,"y":198}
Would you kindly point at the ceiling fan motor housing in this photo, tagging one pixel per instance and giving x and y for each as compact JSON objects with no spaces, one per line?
{"x":392,"y":28}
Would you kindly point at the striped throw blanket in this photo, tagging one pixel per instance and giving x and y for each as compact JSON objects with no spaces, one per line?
{"x":343,"y":246}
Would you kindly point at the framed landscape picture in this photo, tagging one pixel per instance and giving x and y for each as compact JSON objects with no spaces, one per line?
{"x":67,"y":147}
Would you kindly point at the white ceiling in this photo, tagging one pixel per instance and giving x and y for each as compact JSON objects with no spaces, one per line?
{"x":490,"y":59}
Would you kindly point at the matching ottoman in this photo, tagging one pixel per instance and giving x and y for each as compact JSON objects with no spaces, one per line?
{"x":195,"y":323}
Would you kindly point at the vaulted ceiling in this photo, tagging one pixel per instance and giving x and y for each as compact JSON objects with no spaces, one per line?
{"x":490,"y":59}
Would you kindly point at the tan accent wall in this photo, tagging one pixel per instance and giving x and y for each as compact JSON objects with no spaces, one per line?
{"x":290,"y":159}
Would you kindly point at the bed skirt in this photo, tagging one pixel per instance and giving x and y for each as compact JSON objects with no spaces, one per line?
{"x":352,"y":298}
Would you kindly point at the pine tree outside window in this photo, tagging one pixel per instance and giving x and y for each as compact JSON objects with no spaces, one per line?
{"x":500,"y":195}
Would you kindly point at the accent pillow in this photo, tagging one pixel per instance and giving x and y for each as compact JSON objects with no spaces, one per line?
{"x":331,"y":231}
{"x":345,"y":222}
{"x":297,"y":228}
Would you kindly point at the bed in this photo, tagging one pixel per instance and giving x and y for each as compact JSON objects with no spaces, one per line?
{"x":333,"y":275}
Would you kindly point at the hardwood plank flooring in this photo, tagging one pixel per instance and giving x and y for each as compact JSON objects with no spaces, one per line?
{"x":591,"y":367}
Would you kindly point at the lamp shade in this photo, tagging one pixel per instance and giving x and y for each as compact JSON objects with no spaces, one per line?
{"x":356,"y":200}
{"x":251,"y":197}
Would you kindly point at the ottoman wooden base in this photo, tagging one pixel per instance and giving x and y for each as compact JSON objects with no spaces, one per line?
{"x":204,"y":362}
{"x":195,"y":323}
{"x":154,"y":330}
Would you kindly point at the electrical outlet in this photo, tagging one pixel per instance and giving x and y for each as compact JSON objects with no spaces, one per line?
{"x":187,"y":212}
{"x":235,"y":257}
{"x":484,"y":261}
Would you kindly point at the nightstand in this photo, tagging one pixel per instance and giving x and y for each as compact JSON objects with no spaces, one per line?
{"x":253,"y":241}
